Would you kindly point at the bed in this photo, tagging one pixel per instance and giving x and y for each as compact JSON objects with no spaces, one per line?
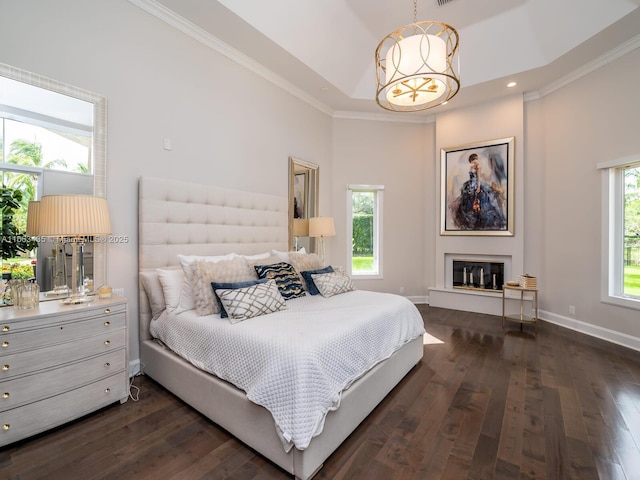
{"x":187,"y":219}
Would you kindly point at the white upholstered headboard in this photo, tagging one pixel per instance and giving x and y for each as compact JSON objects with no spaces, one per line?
{"x":186,"y":218}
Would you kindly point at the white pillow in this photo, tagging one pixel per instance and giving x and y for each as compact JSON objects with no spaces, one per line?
{"x":187,"y":263}
{"x":284,"y":256}
{"x":171,"y":281}
{"x":152,"y":286}
{"x":259,"y":256}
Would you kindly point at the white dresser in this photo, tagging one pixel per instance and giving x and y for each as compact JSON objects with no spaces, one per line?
{"x":60,"y":362}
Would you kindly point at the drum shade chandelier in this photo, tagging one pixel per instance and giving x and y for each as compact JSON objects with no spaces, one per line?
{"x":417,"y":66}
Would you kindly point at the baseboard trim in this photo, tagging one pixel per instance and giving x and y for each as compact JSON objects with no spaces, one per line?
{"x":592,"y":330}
{"x":419,"y":299}
{"x":134,"y":368}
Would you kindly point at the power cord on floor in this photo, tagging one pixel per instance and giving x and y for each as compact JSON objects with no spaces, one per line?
{"x":134,"y":390}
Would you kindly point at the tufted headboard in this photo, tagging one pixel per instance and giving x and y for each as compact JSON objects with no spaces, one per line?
{"x":177,"y":217}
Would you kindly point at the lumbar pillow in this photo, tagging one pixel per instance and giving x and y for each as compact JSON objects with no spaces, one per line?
{"x":330,"y":284}
{"x":286,"y":277}
{"x":311,"y":287}
{"x":232,"y":286}
{"x":252,"y":301}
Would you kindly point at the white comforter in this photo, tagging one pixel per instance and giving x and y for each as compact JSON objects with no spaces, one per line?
{"x":296,"y":362}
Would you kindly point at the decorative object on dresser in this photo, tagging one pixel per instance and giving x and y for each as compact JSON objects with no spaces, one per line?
{"x":76,"y":218}
{"x":58,"y":363}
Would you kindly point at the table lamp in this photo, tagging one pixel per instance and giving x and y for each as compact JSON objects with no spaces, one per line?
{"x":300,"y":229}
{"x":74,"y":218}
{"x":321,"y":227}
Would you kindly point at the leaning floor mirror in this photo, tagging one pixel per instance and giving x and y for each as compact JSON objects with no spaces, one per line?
{"x":304,"y":181}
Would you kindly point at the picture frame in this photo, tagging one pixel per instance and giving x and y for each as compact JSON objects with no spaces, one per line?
{"x":477,"y":189}
{"x":301,"y":195}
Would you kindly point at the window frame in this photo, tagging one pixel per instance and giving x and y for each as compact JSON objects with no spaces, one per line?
{"x":612,"y":268}
{"x":378,"y":191}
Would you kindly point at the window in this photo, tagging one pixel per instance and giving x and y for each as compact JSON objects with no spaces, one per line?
{"x":621,"y":238}
{"x":364,"y":230}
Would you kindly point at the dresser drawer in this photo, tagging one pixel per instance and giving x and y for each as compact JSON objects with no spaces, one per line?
{"x":57,"y":355}
{"x":32,"y":388}
{"x":53,"y":313}
{"x":17,"y":341}
{"x":22,"y":422}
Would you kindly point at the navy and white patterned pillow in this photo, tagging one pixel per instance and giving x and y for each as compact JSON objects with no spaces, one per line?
{"x":231,"y":286}
{"x":252,"y":301}
{"x":286,"y":277}
{"x":311,"y":287}
{"x":330,"y":284}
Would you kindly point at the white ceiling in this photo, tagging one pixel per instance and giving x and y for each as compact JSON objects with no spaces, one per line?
{"x":324,"y":49}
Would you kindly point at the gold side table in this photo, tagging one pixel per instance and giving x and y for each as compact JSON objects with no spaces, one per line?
{"x":521,"y":318}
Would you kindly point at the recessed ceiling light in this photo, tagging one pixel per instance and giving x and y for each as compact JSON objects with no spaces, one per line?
{"x":511,"y":84}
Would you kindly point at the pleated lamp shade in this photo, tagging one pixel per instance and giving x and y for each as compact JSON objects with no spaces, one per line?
{"x":73,"y":216}
{"x":33,"y":219}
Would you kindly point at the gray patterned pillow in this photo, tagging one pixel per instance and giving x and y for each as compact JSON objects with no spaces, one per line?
{"x":205,"y":273}
{"x":330,"y":284}
{"x":252,"y":301}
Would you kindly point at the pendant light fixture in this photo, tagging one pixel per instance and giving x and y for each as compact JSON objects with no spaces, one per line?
{"x":416,"y":66}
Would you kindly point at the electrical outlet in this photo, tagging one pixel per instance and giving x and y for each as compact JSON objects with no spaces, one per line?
{"x":572,"y":310}
{"x":118,"y":292}
{"x":401,"y":289}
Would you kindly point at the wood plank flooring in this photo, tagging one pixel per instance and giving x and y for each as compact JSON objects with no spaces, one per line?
{"x":483,"y":404}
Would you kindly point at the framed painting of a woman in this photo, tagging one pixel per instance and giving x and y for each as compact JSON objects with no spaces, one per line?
{"x":477,"y":189}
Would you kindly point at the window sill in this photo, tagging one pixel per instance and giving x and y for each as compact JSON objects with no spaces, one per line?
{"x":620,"y":301}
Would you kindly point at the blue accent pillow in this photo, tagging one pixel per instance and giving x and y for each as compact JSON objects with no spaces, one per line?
{"x":287,"y":279}
{"x":311,"y":286}
{"x":233,"y":286}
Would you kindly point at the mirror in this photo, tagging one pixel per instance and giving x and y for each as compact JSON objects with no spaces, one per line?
{"x":304,"y":183}
{"x":41,"y":92}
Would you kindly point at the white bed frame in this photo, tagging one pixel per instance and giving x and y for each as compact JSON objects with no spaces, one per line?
{"x":193,"y":219}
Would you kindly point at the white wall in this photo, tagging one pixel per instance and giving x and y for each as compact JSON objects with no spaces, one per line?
{"x":574,"y":129}
{"x":398,"y":156}
{"x":228,"y":126}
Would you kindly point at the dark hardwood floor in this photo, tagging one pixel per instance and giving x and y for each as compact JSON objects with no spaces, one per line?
{"x":483,"y":404}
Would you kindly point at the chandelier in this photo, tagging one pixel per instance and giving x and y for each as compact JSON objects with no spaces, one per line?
{"x":415,"y":66}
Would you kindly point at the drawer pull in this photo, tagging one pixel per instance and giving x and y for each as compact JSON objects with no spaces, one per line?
{"x":107,"y":390}
{"x":107,"y":342}
{"x":5,"y":367}
{"x":5,"y":328}
{"x":107,"y":310}
{"x":107,"y":324}
{"x":6,"y":427}
{"x":5,"y":395}
{"x":5,"y":344}
{"x":107,"y":365}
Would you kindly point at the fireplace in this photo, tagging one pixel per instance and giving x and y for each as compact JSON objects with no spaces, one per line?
{"x":478,"y":274}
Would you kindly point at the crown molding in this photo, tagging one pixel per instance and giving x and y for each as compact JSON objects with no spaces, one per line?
{"x":592,"y":66}
{"x":384,"y":117}
{"x":176,"y":21}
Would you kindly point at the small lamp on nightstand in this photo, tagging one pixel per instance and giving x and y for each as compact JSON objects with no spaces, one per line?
{"x":321,"y":227}
{"x":75,"y":217}
{"x":299,"y":229}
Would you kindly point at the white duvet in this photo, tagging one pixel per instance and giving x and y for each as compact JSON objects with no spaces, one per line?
{"x":296,"y":362}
